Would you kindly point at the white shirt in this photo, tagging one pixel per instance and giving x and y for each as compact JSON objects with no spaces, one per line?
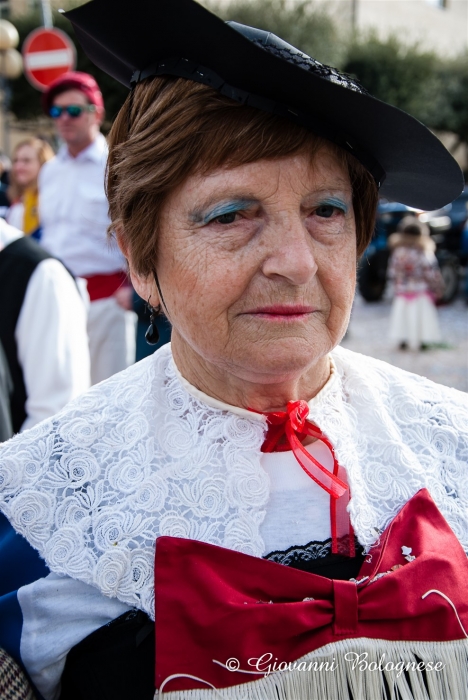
{"x":15,"y":215}
{"x":51,"y":337}
{"x":73,"y":211}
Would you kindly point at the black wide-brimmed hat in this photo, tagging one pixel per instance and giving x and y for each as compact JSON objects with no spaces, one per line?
{"x":132,"y":41}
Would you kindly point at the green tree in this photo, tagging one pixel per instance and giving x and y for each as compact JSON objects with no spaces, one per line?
{"x":448,"y":103}
{"x":402,"y":75}
{"x":301,"y":24}
{"x":26,"y":100}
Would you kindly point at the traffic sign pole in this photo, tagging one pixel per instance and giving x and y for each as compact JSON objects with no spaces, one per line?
{"x":47,"y":14}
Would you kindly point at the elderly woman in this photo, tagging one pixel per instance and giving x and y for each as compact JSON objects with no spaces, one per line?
{"x":290,"y":485}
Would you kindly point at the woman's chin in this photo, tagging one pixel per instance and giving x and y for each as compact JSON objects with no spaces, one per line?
{"x":279,"y":362}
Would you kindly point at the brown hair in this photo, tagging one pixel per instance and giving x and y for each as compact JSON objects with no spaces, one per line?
{"x":170,"y":128}
{"x":44,"y":153}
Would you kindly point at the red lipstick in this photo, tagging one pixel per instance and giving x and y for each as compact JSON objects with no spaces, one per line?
{"x":283,"y":312}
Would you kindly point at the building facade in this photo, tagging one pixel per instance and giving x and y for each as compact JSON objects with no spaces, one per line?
{"x":435,"y":25}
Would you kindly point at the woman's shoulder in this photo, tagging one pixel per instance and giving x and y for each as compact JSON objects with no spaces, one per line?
{"x":83,"y":409}
{"x":388,"y":381}
{"x":117,"y":404}
{"x":400,"y":432}
{"x":93,"y":487}
{"x":108,"y":419}
{"x":73,"y":464}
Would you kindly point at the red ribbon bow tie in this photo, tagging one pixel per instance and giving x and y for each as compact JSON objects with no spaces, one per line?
{"x":216,"y":604}
{"x":285,"y":431}
{"x":284,"y":428}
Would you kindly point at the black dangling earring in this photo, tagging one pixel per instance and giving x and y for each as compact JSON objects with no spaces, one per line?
{"x":152,"y":334}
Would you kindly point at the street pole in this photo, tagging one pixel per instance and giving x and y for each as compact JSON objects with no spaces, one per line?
{"x":46,"y":14}
{"x":354,"y":12}
{"x":5,"y":106}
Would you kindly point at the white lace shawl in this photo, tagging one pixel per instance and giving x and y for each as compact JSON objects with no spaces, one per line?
{"x":138,"y":457}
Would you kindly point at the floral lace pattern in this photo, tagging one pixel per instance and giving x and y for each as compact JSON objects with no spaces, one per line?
{"x":138,"y":457}
{"x":133,"y":459}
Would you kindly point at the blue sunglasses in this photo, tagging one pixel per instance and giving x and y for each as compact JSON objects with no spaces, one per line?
{"x":73,"y":111}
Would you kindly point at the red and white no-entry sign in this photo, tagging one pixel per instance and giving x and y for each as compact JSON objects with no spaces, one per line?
{"x":47,"y":53}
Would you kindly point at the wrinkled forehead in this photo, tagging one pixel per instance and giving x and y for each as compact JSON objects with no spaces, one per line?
{"x":321,"y":162}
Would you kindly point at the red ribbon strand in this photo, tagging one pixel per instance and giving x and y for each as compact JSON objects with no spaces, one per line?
{"x":286,"y":429}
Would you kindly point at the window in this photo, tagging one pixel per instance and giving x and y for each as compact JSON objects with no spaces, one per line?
{"x":438,"y":3}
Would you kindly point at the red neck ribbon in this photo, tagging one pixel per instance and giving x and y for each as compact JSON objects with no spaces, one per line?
{"x":285,"y":431}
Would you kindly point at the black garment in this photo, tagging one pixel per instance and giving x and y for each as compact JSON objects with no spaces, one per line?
{"x":6,"y":388}
{"x":18,"y":260}
{"x":117,"y":661}
{"x":114,"y":663}
{"x":316,"y":558}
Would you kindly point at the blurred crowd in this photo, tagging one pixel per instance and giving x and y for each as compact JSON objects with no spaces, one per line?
{"x":69,"y":317}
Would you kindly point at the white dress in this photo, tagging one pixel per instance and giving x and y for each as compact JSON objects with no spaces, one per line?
{"x":415,"y":273}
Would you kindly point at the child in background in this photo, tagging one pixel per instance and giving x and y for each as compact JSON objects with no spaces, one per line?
{"x":415,"y":273}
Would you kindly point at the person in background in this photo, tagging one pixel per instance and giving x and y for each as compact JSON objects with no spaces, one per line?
{"x":28,"y":158}
{"x":42,"y":330}
{"x":73,"y":213}
{"x":417,"y":280}
{"x":5,"y":166}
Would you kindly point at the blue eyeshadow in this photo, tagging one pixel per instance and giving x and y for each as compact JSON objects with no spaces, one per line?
{"x":221,"y":209}
{"x":334,"y":202}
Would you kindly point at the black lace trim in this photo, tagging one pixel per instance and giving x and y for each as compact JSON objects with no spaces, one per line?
{"x":307,"y":63}
{"x":312,"y":551}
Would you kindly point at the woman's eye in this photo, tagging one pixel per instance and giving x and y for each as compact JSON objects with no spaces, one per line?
{"x":228,"y":218}
{"x":325,"y":211}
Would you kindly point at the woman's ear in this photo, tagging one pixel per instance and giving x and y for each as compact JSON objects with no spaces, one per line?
{"x":144,"y":285}
{"x":121,"y":241}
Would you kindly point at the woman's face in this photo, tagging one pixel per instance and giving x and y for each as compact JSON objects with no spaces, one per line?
{"x":26,"y":166}
{"x":257,"y":266}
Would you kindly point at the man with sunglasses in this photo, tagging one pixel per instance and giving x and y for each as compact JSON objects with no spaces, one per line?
{"x":73,"y":214}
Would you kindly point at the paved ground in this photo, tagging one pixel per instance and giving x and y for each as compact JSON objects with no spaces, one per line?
{"x":368,"y":333}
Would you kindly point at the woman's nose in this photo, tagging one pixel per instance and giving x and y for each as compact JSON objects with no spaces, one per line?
{"x":290,"y":252}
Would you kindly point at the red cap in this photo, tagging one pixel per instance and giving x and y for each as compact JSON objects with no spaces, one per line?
{"x":75,"y":80}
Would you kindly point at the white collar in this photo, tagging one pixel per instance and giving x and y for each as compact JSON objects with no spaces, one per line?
{"x":94,"y":152}
{"x":243,"y":412}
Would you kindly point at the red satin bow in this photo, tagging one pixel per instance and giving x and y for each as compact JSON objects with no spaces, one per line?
{"x":216,"y":604}
{"x":285,"y":428}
